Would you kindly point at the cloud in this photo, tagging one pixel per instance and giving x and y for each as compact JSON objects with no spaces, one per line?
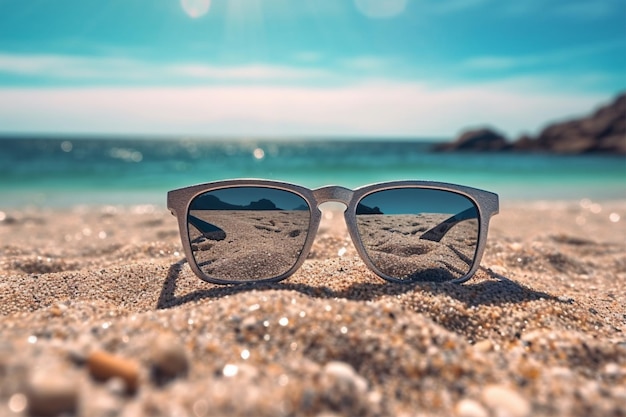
{"x":72,"y":67}
{"x":80,"y":70}
{"x":57,"y":65}
{"x":562,"y":56}
{"x":107,"y":69}
{"x":371,"y":108}
{"x":259,"y":99}
{"x":244,"y":73}
{"x":367,"y":63}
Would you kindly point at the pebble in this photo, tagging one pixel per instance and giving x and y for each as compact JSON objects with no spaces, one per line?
{"x":169,"y":358}
{"x":103,"y":365}
{"x":344,"y":375}
{"x":503,"y":401}
{"x":470,"y":408}
{"x":116,"y":386}
{"x":483,"y":346}
{"x":52,"y":392}
{"x":612,"y":370}
{"x":344,"y":390}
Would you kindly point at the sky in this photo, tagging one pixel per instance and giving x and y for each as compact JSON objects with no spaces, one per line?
{"x":305,"y":68}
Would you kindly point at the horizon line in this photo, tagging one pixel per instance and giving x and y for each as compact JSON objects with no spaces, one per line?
{"x":216,"y":137}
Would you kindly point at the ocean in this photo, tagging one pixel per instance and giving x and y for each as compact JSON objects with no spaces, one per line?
{"x":64,"y":172}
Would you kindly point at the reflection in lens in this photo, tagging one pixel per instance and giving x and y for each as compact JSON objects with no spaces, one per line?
{"x":247,"y":233}
{"x":418,"y":234}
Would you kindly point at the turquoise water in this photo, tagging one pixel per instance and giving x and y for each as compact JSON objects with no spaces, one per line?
{"x":66,"y":172}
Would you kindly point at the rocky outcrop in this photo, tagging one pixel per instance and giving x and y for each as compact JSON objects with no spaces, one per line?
{"x":483,"y":139}
{"x":604,"y":131}
{"x":212,"y":202}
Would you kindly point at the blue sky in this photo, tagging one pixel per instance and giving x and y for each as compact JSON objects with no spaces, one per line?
{"x":351,"y":68}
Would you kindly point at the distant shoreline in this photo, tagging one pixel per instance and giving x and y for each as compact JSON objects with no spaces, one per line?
{"x":68,"y":172}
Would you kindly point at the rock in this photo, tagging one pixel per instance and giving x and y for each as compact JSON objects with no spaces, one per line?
{"x":470,"y":408}
{"x":344,"y":375}
{"x":476,"y":140}
{"x":483,"y":346}
{"x":103,"y":365}
{"x":169,"y":358}
{"x":344,"y":390}
{"x":51,"y":393}
{"x":262,"y":204}
{"x":210,"y":201}
{"x":503,"y":401}
{"x":523,"y":143}
{"x":363,"y":209}
{"x":603,"y":131}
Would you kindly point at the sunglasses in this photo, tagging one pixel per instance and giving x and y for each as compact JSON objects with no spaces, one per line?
{"x":243,"y":231}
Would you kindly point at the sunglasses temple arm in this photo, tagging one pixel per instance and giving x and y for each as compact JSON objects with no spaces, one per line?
{"x":439,"y":231}
{"x":208,"y":230}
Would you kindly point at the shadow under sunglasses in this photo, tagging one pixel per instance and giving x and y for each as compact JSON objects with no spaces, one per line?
{"x":497,"y":290}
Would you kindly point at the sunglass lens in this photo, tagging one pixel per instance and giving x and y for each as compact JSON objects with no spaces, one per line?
{"x":247,"y":233}
{"x":416,"y":234}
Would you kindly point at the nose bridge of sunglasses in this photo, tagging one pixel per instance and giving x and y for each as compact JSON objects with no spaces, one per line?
{"x":334,"y":194}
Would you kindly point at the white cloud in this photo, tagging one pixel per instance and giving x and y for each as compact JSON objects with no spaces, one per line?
{"x":109,"y":69}
{"x":245,"y":73}
{"x":366,"y":109}
{"x":280,"y":100}
{"x":561,"y":56}
{"x":367,"y":63}
{"x":71,"y":67}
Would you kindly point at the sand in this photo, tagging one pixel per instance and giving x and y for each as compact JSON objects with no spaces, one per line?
{"x":395,"y":246}
{"x":252,"y":244}
{"x":101,"y":316}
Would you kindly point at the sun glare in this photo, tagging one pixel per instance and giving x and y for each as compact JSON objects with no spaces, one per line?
{"x":195,"y":8}
{"x":380,"y":9}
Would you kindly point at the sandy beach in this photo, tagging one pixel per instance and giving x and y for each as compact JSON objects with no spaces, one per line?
{"x":101,"y":316}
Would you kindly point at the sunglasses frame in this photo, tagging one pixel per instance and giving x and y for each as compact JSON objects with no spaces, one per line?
{"x":179,"y":201}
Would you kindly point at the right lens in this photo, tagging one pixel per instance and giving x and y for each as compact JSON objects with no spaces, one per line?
{"x":419,"y":234}
{"x":247,"y":233}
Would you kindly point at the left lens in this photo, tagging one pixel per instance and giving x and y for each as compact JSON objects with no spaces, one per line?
{"x":419,"y":234}
{"x":247,"y":234}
